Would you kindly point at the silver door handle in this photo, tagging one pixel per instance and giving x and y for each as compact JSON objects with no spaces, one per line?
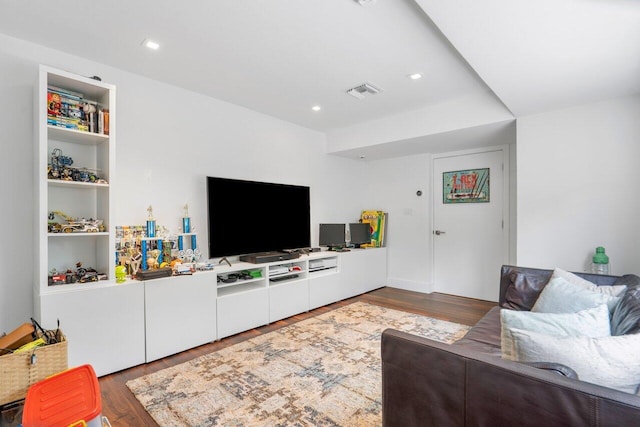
{"x":438,"y":232}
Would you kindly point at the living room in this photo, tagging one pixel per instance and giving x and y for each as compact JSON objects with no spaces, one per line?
{"x":573,"y":157}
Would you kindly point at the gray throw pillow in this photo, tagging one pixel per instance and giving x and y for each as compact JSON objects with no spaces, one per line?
{"x":615,"y":290}
{"x":625,"y":318}
{"x":560,"y":296}
{"x":592,"y":322}
{"x":608,"y":361}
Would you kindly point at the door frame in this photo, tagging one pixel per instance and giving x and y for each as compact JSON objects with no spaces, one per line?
{"x":507,"y":243}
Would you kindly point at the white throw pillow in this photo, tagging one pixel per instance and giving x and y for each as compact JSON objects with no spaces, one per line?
{"x":560,"y":296}
{"x":614,"y":290}
{"x":608,"y":361}
{"x":592,"y":322}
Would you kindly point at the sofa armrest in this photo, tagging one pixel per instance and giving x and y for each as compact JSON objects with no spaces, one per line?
{"x":425,"y":382}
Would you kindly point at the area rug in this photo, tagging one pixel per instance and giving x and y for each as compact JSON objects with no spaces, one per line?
{"x":323,"y":371}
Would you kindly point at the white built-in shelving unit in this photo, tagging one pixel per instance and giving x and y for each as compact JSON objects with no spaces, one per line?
{"x":103,"y":321}
{"x":115,"y":326}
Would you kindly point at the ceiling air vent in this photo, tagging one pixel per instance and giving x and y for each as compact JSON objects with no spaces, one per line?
{"x":363,"y":90}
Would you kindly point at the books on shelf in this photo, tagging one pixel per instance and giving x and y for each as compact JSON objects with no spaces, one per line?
{"x":377,"y":224}
{"x":68,"y":109}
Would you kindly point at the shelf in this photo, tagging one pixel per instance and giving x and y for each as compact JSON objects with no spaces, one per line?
{"x":77,"y":136}
{"x":238,"y":282}
{"x":75,"y":184}
{"x":323,"y":271}
{"x":100,"y":233}
{"x":240,"y":288}
{"x":285,"y":277}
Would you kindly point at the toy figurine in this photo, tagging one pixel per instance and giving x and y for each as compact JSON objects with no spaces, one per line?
{"x":121,"y":273}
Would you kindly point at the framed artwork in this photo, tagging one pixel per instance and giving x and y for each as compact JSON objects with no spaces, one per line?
{"x":465,"y":186}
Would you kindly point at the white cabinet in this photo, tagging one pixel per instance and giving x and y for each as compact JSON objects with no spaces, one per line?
{"x":104,"y":326}
{"x":243,"y":298}
{"x":358,"y":271}
{"x":288,"y":288}
{"x":180,"y":313}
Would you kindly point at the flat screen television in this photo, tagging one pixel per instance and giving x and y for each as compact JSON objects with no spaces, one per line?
{"x":332,"y":235}
{"x":247,"y":217}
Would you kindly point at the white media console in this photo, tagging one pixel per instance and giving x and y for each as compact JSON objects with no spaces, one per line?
{"x":137,"y":322}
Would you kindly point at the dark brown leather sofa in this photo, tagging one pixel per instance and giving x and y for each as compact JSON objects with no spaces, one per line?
{"x":427,"y":383}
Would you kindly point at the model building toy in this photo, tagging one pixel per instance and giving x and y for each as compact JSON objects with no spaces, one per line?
{"x":74,"y":225}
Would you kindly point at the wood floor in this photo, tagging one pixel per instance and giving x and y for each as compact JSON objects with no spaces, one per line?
{"x":122,"y":408}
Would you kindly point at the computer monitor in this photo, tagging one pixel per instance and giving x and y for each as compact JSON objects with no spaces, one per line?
{"x":332,"y":235}
{"x":360,"y":233}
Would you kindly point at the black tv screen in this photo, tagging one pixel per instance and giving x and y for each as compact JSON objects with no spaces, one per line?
{"x":332,"y":235}
{"x":360,"y":233}
{"x":247,"y":217}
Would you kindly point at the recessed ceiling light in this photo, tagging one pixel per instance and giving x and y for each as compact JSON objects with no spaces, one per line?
{"x":362,"y":156}
{"x":316,"y":108}
{"x":150,"y":44}
{"x":415,"y":76}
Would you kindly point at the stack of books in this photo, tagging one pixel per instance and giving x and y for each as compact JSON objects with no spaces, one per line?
{"x":69,"y":110}
{"x":377,"y":221}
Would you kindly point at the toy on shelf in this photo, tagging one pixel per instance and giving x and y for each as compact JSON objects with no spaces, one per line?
{"x":60,"y":168}
{"x":80,"y":275}
{"x":73,"y":225}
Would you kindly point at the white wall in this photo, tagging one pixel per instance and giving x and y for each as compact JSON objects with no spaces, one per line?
{"x":578,"y":175}
{"x":393,"y":187}
{"x":168,"y":140}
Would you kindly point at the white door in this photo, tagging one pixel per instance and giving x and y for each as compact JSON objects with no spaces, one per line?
{"x":470,"y":232}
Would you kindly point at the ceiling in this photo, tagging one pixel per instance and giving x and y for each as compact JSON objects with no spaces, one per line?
{"x":281,"y":57}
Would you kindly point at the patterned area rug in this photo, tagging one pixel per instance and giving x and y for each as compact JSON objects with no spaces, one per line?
{"x":323,"y":371}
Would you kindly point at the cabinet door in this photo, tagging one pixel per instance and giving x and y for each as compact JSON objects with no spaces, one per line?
{"x":325,"y":289}
{"x":352,"y":272}
{"x":180,"y":313}
{"x":242,"y":311}
{"x":104,"y":326}
{"x":375,"y":274}
{"x":288,"y":299}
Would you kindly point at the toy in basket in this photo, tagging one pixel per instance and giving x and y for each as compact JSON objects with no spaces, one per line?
{"x":35,"y":355}
{"x":70,"y":398}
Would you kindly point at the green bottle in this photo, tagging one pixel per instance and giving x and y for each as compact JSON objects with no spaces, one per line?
{"x":600,"y":264}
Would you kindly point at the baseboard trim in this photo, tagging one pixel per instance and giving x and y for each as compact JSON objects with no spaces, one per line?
{"x":410,"y":285}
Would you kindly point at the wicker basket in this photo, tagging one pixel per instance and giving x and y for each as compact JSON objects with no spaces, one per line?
{"x":17,"y":372}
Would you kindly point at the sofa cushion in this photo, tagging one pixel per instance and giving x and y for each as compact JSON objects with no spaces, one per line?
{"x":615,"y":290}
{"x":520,"y":286}
{"x":609,"y":361}
{"x":523,"y":288}
{"x":592,"y":322}
{"x":560,"y":296}
{"x":625,"y":318}
{"x":484,"y":336}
